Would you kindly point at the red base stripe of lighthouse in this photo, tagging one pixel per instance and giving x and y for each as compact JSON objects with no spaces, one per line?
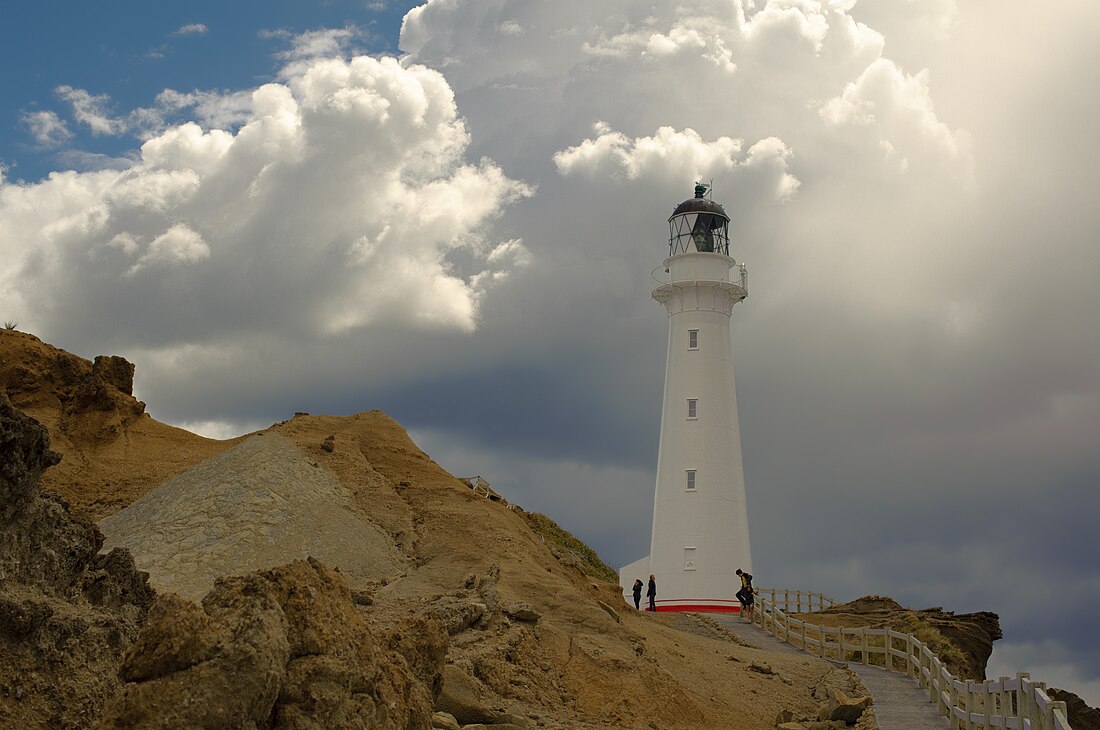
{"x":698,"y":608}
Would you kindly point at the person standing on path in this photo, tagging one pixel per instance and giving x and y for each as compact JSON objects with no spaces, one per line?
{"x":745,"y":594}
{"x":651,"y":593}
{"x":638,"y":594}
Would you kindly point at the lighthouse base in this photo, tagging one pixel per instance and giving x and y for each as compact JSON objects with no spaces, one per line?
{"x":695,"y":605}
{"x":640,"y":569}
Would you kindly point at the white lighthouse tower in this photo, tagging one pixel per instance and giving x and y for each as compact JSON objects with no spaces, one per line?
{"x":700,"y":524}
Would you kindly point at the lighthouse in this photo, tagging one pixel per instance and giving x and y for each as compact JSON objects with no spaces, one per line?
{"x":700,"y":523}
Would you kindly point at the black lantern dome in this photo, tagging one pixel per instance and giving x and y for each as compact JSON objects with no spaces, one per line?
{"x":699,"y":224}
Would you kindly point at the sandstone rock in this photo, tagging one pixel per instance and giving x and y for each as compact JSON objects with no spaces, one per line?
{"x":972,"y":634}
{"x":761,"y":668}
{"x":461,"y":697}
{"x":445,"y":721}
{"x":1081,"y":716}
{"x":117,"y":371}
{"x":506,"y":718}
{"x":422,"y":641}
{"x":67,"y":615}
{"x":784,"y":716}
{"x":176,"y":635}
{"x":487,"y":587}
{"x":457,"y":616}
{"x":842,"y":707}
{"x":281,"y":648}
{"x":610,"y":612}
{"x":521,"y":612}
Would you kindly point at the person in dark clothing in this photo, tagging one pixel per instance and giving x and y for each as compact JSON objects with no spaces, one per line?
{"x":651,"y":593}
{"x":745,"y":595}
{"x":638,"y":594}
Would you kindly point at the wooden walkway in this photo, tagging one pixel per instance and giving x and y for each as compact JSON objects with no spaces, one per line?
{"x":899,"y":703}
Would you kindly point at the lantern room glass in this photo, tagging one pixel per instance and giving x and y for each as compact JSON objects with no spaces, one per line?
{"x":702,"y":232}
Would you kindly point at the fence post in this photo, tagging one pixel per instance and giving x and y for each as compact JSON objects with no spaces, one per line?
{"x":954,"y":694}
{"x":863,"y":642}
{"x":1004,"y":701}
{"x":1023,"y":696}
{"x":942,"y":680}
{"x":969,"y":705}
{"x":987,"y":699}
{"x":804,"y":644}
{"x":840,"y":640}
{"x":933,"y":669}
{"x":1040,"y":718}
{"x":1057,"y":705}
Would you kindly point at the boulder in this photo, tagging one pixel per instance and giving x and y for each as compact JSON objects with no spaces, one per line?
{"x":846,"y":709}
{"x":456,"y":615}
{"x":521,"y":612}
{"x":444,"y":721}
{"x":279,"y":648}
{"x":461,"y":697}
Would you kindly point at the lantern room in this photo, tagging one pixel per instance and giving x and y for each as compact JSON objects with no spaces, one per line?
{"x":699,"y":224}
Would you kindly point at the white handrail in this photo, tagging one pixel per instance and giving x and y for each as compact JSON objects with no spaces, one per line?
{"x":1009,"y":703}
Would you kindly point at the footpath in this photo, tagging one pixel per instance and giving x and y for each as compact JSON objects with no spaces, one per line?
{"x":899,"y":703}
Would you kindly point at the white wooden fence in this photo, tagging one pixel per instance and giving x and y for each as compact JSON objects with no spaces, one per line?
{"x":1009,"y":703}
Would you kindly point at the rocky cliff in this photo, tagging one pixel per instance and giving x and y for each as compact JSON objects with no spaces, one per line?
{"x":963,"y":641}
{"x":67,"y":612}
{"x":113,"y":451}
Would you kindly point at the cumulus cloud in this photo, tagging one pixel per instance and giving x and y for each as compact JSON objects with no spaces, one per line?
{"x":211,"y":109}
{"x":191,"y":29}
{"x":324,"y":42}
{"x":48,"y":129}
{"x":178,"y":245}
{"x":335,"y":205}
{"x":670,"y":154}
{"x":91,"y":109}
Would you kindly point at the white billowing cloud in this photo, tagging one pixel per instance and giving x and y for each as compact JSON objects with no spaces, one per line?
{"x":211,"y":109}
{"x":192,"y":29}
{"x":178,"y":245}
{"x":91,"y":109}
{"x":670,"y":154}
{"x":900,"y":107}
{"x":322,"y":43}
{"x":667,"y":153}
{"x":336,"y":205}
{"x":48,"y":129}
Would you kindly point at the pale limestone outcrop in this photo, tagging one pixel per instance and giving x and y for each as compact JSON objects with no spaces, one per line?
{"x":259,"y":504}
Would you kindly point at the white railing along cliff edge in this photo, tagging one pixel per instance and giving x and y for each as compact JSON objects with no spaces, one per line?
{"x":1018,"y":703}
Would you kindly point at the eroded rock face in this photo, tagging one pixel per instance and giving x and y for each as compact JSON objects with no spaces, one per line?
{"x":1081,"y":716}
{"x":67,"y":614}
{"x":281,"y":648}
{"x":963,"y":641}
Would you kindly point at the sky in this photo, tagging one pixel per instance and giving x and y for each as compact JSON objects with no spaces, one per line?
{"x":451,"y":211}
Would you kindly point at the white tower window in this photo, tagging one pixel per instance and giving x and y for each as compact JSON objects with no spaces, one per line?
{"x":693,"y":407}
{"x":691,"y":480}
{"x":693,"y":339}
{"x":689,"y":558}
